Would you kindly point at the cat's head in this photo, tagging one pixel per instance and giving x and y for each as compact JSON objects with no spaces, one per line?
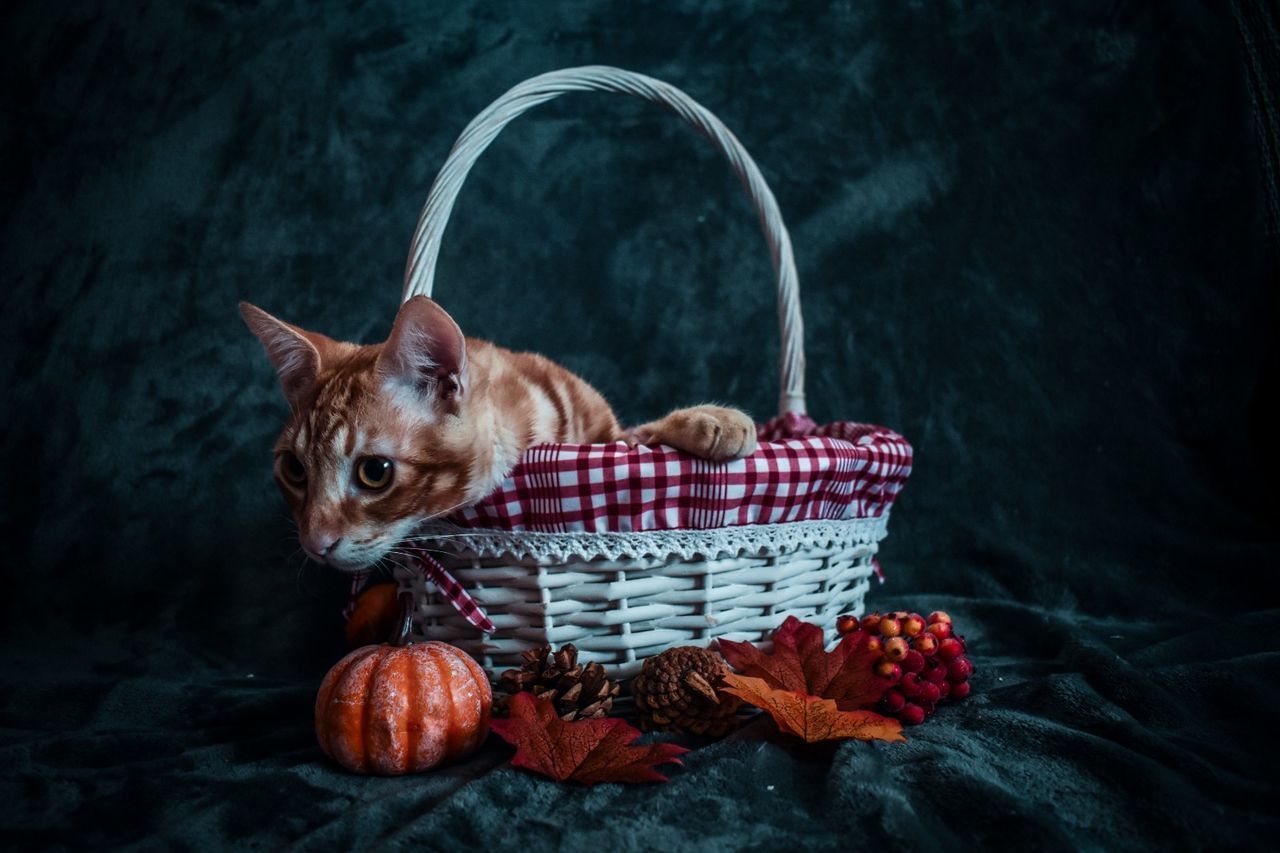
{"x":378,"y":439}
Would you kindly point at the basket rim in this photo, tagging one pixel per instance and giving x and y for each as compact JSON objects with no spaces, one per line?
{"x":759,"y":540}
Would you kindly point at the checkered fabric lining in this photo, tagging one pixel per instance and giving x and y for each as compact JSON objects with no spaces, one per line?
{"x":801,"y":471}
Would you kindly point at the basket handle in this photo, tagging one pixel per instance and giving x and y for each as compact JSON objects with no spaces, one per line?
{"x":421,"y":265}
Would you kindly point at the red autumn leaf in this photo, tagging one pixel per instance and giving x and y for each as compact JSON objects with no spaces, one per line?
{"x":801,"y":664}
{"x":585,"y":751}
{"x":811,"y":717}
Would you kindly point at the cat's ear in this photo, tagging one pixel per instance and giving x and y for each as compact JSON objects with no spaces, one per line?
{"x":297,"y":354}
{"x":426,"y":351}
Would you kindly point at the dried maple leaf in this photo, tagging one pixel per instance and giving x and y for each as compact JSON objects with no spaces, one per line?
{"x":811,"y":717}
{"x":800,"y":663}
{"x":585,"y":751}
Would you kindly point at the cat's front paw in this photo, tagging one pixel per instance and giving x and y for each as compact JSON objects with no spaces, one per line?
{"x":715,"y":433}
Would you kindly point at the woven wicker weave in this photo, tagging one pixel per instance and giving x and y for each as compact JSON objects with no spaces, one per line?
{"x":621,"y":597}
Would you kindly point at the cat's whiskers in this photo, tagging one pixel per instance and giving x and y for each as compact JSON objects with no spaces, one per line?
{"x":303,"y":562}
{"x":427,"y":537}
{"x":444,"y":512}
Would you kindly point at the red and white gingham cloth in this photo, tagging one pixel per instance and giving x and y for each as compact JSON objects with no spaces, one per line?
{"x":800,"y":472}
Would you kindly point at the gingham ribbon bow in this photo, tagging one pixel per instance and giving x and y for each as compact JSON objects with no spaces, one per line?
{"x":451,"y":589}
{"x":445,"y":582}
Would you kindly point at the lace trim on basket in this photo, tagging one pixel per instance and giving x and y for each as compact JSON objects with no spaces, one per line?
{"x":749,"y":539}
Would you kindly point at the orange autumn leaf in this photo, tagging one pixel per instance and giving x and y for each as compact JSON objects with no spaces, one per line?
{"x":810,"y":717}
{"x":800,"y":663}
{"x":585,"y":751}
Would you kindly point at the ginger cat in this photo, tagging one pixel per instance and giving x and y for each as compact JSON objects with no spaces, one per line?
{"x":385,"y":436}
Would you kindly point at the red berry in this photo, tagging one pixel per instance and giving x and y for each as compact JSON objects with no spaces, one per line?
{"x":846,"y":624}
{"x":959,"y":691}
{"x":925,"y":644}
{"x":959,"y":670}
{"x":950,"y":649}
{"x":912,"y":625}
{"x":890,"y":627}
{"x":892,"y":701}
{"x":944,"y":690}
{"x":939,"y":616}
{"x":912,"y":715}
{"x":913,"y":662}
{"x":910,"y":685}
{"x":871,"y":622}
{"x":895,"y":649}
{"x":935,"y":673}
{"x":929,"y":694}
{"x":941,"y":630}
{"x":873,"y":644}
{"x":888,"y":669}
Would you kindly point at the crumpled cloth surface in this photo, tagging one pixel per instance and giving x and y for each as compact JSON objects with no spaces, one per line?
{"x":1032,"y":240}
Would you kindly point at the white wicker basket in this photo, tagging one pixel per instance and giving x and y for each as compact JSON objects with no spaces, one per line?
{"x":621,"y":597}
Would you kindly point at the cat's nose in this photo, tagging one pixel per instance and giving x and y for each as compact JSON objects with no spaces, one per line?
{"x":319,"y":544}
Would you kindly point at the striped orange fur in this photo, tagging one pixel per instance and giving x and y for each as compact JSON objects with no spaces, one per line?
{"x":385,"y":436}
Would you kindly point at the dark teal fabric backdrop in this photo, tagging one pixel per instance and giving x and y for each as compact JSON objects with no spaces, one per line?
{"x":1030,"y":238}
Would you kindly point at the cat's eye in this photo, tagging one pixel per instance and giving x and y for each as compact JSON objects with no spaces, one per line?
{"x":374,"y":472}
{"x":291,"y":469}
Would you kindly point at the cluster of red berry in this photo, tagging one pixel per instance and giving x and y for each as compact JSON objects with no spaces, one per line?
{"x":924,"y":659}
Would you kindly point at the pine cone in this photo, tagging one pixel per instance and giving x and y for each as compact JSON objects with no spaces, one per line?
{"x":678,"y":691}
{"x":578,"y":691}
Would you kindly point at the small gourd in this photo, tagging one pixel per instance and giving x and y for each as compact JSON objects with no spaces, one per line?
{"x":399,"y":708}
{"x":375,"y":617}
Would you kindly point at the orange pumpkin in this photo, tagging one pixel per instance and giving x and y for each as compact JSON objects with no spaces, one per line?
{"x":393,"y":709}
